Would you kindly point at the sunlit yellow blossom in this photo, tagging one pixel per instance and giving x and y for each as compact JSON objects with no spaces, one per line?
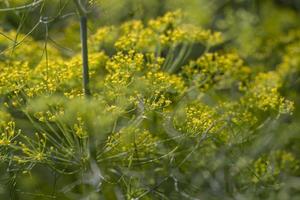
{"x":263,"y":93}
{"x":214,"y":69}
{"x":8,"y":134}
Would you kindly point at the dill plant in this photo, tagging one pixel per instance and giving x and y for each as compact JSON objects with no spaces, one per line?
{"x":160,"y":122}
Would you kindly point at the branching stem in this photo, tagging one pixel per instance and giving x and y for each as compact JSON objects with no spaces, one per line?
{"x":31,"y":5}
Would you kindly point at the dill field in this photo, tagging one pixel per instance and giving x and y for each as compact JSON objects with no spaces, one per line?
{"x":150,"y":99}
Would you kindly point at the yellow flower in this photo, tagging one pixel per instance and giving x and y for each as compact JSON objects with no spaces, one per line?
{"x":8,"y":134}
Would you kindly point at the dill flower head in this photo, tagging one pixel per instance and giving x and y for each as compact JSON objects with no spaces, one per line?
{"x":268,"y":167}
{"x":8,"y":134}
{"x":13,"y":76}
{"x":215,"y":70}
{"x":131,"y":144}
{"x":263,"y":93}
{"x":197,"y":119}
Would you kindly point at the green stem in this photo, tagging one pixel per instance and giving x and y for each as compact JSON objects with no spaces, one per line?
{"x":80,"y":8}
{"x":84,"y":50}
{"x":84,"y":47}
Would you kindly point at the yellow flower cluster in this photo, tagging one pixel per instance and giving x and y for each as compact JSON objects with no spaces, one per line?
{"x":74,"y":93}
{"x":161,"y":24}
{"x":25,"y":71}
{"x":160,"y":85}
{"x":197,"y":120}
{"x":238,"y":122}
{"x":163,"y":32}
{"x":191,"y":34}
{"x":171,"y":31}
{"x":33,"y":154}
{"x":8,"y":134}
{"x":103,"y":37}
{"x":139,"y":77}
{"x":290,"y":61}
{"x":131,"y":62}
{"x":49,"y":116}
{"x":122,"y":69}
{"x":79,"y":128}
{"x":236,"y":113}
{"x":32,"y":151}
{"x":13,"y":76}
{"x":215,"y":69}
{"x":262,"y":93}
{"x":133,"y":35}
{"x":154,"y":63}
{"x":268,"y":167}
{"x":132,"y":144}
{"x":56,"y":75}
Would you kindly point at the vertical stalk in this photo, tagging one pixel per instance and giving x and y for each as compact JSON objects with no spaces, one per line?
{"x":84,"y":51}
{"x":84,"y":47}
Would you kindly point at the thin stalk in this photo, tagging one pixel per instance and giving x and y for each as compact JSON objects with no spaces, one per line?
{"x":84,"y":47}
{"x":84,"y":50}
